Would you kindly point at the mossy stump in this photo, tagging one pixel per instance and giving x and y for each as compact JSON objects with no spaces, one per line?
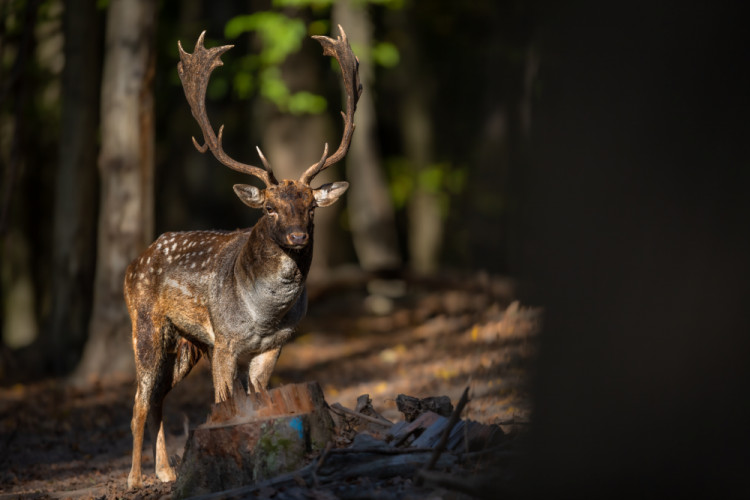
{"x":246,"y":440}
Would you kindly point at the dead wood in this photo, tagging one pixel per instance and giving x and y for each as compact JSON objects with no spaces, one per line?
{"x":446,"y":434}
{"x":404,"y":432}
{"x":413,"y":407}
{"x":341,"y":465}
{"x":249,"y":439}
{"x":374,"y":420}
{"x":364,"y":406}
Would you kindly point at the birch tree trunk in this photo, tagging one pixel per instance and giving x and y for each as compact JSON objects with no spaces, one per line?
{"x":126,"y":165}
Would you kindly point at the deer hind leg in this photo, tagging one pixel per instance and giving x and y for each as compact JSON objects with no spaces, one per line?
{"x":164,"y":471}
{"x":154,"y":371}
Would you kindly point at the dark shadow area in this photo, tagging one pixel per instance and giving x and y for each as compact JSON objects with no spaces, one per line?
{"x":638,"y":217}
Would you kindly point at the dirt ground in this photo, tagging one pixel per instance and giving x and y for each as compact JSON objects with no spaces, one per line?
{"x":378,"y":337}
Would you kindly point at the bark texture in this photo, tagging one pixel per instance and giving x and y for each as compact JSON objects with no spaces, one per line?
{"x":126,"y":165}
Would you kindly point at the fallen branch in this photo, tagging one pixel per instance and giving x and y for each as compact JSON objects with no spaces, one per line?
{"x":455,"y":417}
{"x":342,"y":409}
{"x":403,"y":461}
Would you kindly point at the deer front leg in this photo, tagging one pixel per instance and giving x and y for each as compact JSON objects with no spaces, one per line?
{"x":261,"y":367}
{"x":223,"y":370}
{"x":259,"y":373}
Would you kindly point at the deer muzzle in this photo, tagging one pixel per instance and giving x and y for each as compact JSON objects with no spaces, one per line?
{"x":297,"y":240}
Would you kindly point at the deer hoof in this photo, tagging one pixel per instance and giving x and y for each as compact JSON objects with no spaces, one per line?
{"x":134,"y":481}
{"x":166,"y":474}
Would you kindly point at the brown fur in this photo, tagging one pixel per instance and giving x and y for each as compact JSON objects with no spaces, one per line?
{"x":235,"y":297}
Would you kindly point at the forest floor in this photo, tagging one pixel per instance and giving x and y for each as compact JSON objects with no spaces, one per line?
{"x":380,"y":337}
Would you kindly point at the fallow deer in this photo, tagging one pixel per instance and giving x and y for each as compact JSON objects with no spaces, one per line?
{"x":235,"y":297}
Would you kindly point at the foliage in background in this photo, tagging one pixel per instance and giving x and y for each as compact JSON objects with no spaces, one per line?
{"x":441,"y":180}
{"x":280,"y":33}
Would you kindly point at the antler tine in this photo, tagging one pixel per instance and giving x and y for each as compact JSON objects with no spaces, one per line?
{"x":266,"y":164}
{"x":349,"y":64}
{"x":318,"y":166}
{"x":195,"y":71}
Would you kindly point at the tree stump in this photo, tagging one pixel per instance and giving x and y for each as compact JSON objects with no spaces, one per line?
{"x":247,"y":439}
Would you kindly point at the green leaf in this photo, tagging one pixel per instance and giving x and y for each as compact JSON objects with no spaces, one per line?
{"x":386,"y":54}
{"x":273,"y":88}
{"x":279,"y":34}
{"x":306,"y":102}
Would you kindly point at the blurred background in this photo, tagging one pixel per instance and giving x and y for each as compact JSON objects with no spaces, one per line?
{"x":598,"y":155}
{"x":98,"y":161}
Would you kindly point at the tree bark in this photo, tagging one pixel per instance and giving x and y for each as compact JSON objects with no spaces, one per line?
{"x":370,"y":208}
{"x":75,"y":187}
{"x":126,"y":164}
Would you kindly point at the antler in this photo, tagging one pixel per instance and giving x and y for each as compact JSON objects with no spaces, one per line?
{"x":349,"y":63}
{"x":195,"y":71}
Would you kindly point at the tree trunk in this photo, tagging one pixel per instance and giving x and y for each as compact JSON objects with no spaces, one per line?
{"x":126,"y":164}
{"x":294,"y":142}
{"x":75,"y":187}
{"x":425,"y":218}
{"x":370,"y":208}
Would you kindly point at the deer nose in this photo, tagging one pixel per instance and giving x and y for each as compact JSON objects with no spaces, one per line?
{"x":297,"y":239}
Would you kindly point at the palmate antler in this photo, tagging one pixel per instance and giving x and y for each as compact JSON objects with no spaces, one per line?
{"x":349,"y":63}
{"x":195,"y":71}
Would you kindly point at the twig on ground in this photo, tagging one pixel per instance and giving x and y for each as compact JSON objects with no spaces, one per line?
{"x":342,"y":409}
{"x":455,"y":417}
{"x":320,"y":463}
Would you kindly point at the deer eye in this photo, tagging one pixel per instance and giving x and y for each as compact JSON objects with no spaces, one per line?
{"x":270,"y":210}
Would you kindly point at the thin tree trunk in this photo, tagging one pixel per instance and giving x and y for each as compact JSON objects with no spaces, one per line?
{"x":370,"y":208}
{"x":425,"y":232}
{"x":294,"y":142}
{"x":425,"y":217}
{"x":126,"y":165}
{"x":75,"y":187}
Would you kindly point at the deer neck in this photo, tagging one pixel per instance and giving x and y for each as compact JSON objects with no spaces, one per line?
{"x":263,"y":260}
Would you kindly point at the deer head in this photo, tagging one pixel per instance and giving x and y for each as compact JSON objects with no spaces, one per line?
{"x":289,"y":204}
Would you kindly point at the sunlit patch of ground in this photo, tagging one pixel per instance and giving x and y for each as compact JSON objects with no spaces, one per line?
{"x":417,"y":338}
{"x":431,"y":342}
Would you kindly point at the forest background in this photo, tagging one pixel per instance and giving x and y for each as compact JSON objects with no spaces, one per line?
{"x":98,"y":161}
{"x":597,"y":154}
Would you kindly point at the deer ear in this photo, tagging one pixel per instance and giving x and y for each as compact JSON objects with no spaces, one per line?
{"x":327,"y":194}
{"x":250,"y":195}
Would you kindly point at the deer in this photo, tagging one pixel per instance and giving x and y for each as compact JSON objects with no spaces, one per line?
{"x":234,"y":297}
